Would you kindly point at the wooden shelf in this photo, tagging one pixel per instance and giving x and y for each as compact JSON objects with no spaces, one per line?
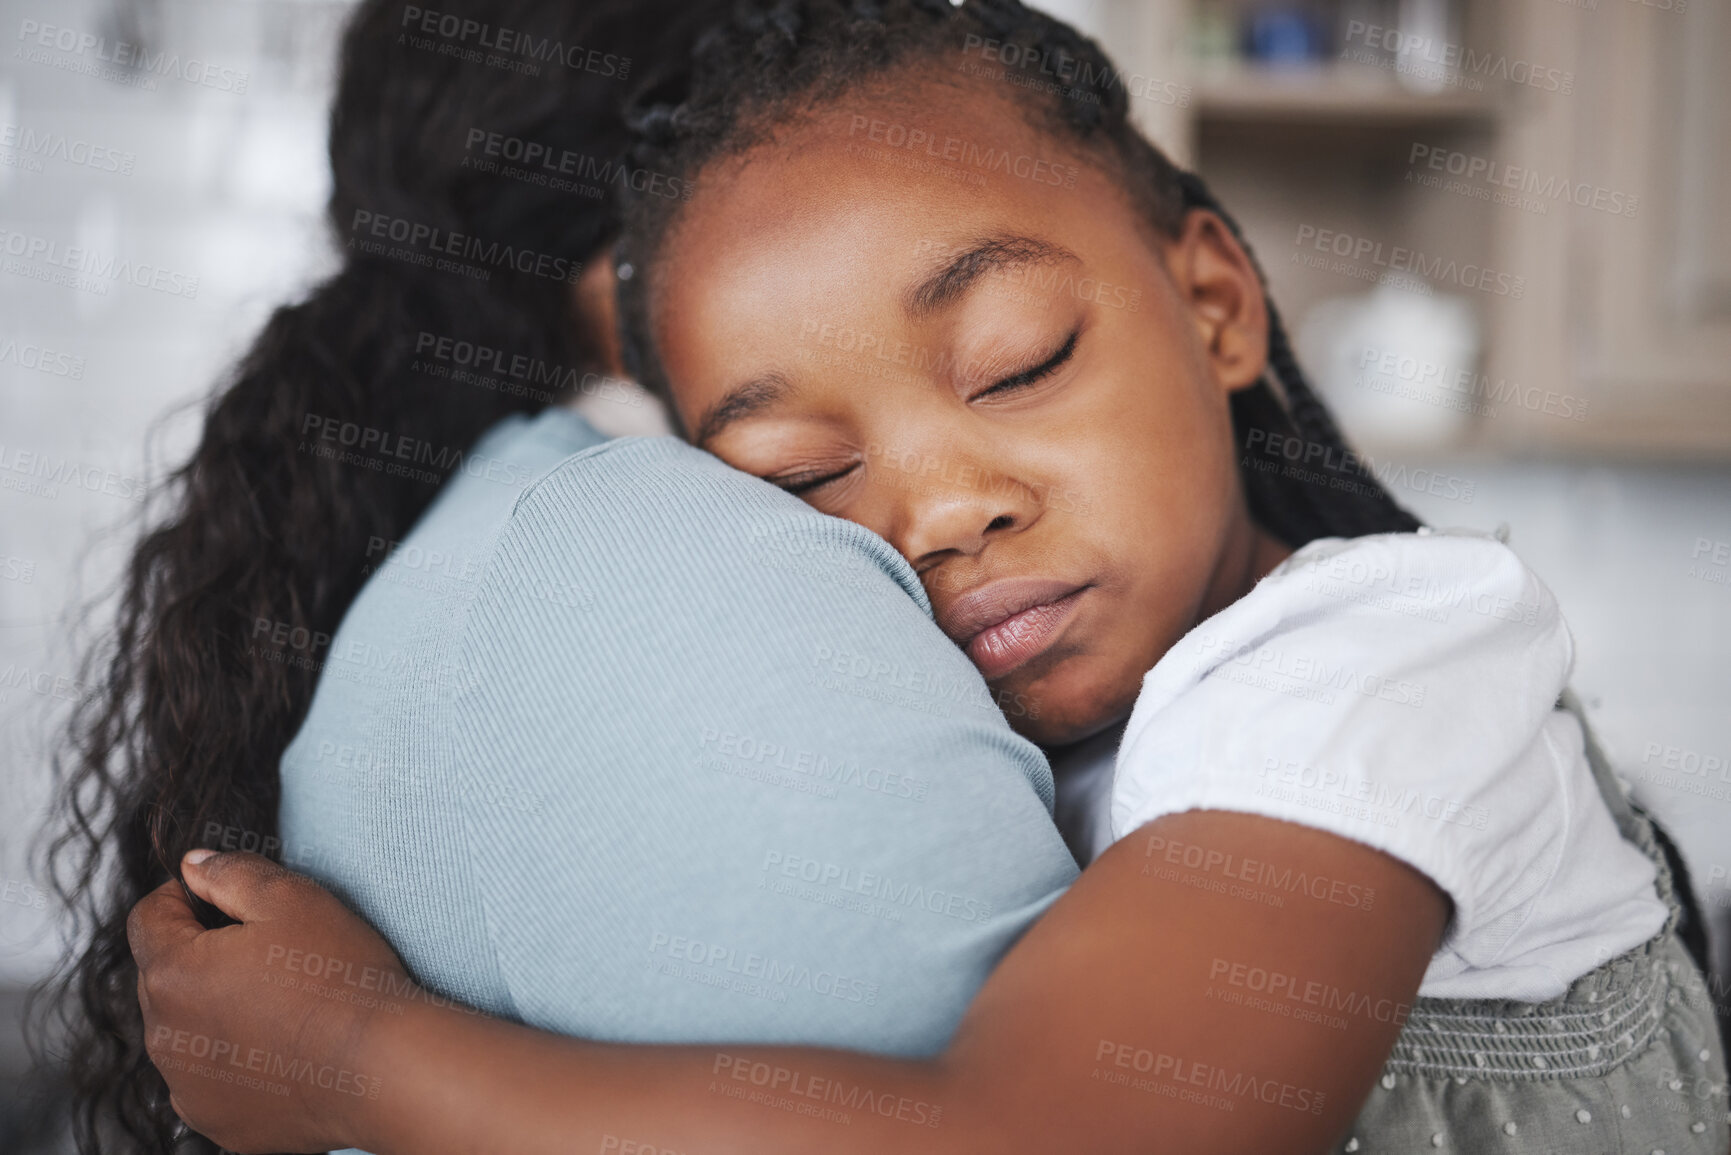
{"x":1330,"y":96}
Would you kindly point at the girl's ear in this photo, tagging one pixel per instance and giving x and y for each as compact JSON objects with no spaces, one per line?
{"x":1216,"y":278}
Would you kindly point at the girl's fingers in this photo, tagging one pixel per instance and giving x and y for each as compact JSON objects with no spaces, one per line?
{"x":162,"y":920}
{"x":246,"y":887}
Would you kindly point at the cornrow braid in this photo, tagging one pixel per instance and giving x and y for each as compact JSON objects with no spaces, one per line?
{"x":769,"y":65}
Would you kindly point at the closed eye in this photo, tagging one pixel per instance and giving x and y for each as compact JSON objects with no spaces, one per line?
{"x":1038,"y":373}
{"x":800,"y":483}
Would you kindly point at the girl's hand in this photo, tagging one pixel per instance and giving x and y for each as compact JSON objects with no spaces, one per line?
{"x":255,"y":1026}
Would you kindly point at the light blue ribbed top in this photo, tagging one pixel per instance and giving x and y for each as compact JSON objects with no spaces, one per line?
{"x":624,"y":743}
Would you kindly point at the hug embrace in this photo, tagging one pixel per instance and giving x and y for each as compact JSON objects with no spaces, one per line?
{"x":963,"y":733}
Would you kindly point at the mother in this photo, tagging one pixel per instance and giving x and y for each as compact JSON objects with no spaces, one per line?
{"x":185,"y":729}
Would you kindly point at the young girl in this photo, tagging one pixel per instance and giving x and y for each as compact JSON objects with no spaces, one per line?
{"x":1042,"y":387}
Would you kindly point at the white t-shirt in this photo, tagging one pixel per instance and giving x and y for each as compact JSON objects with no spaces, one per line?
{"x":1398,"y":690}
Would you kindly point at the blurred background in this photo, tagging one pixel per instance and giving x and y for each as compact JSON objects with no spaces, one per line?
{"x":1497,"y":228}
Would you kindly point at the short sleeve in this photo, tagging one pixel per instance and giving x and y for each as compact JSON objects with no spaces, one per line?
{"x":1398,"y":690}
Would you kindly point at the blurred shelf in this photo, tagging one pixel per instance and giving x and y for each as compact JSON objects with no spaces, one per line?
{"x":1331,"y":96}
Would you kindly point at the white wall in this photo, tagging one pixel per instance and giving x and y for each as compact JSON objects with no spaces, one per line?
{"x":223,"y":186}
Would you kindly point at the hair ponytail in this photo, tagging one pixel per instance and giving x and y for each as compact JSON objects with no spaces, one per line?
{"x":271,"y":533}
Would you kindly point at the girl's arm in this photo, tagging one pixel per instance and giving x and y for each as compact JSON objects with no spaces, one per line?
{"x":1186,"y":994}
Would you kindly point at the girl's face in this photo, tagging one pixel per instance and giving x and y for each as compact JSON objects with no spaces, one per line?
{"x":924,"y":316}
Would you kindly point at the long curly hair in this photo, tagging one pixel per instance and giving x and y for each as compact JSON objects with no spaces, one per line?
{"x":181,"y":730}
{"x":773,"y":62}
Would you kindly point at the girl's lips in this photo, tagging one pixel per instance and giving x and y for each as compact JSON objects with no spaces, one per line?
{"x":1017,"y":639}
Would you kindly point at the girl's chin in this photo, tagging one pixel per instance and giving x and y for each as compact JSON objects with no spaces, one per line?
{"x":1051,"y":722}
{"x":1067,"y":704}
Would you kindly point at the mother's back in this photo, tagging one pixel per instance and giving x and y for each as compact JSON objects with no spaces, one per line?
{"x":628,"y":744}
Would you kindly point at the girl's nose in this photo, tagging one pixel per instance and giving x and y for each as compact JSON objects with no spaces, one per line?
{"x":950,"y":513}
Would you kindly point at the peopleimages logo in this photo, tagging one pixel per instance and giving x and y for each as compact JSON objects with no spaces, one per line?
{"x":543,"y":164}
{"x":459,"y":30}
{"x":1381,"y":370}
{"x":1396,"y":801}
{"x":469,"y":363}
{"x":1076,"y":78}
{"x":1710,"y":561}
{"x":415,"y":237}
{"x":772,"y":972}
{"x":23,"y":894}
{"x":1194,"y":1081}
{"x":870,"y":884}
{"x":231,"y":1063}
{"x":1529,"y":189}
{"x":40,"y":258}
{"x":40,"y":146}
{"x":835,"y":769}
{"x":44,"y":360}
{"x":1320,"y":463}
{"x":17,"y":569}
{"x":127,"y":59}
{"x":1353,"y":250}
{"x":786,"y":1087}
{"x":1430,"y":58}
{"x":44,"y":682}
{"x":1304,"y":675}
{"x":35,"y":473}
{"x":958,"y":150}
{"x":398,"y":455}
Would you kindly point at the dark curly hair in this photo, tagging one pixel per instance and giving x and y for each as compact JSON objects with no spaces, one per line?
{"x":182,"y":729}
{"x":773,"y":63}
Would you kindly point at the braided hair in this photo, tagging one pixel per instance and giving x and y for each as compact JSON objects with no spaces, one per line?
{"x":769,"y":64}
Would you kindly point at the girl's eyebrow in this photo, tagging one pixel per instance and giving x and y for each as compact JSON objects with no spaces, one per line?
{"x":939,"y":290}
{"x":987,"y":254}
{"x":739,"y":403}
